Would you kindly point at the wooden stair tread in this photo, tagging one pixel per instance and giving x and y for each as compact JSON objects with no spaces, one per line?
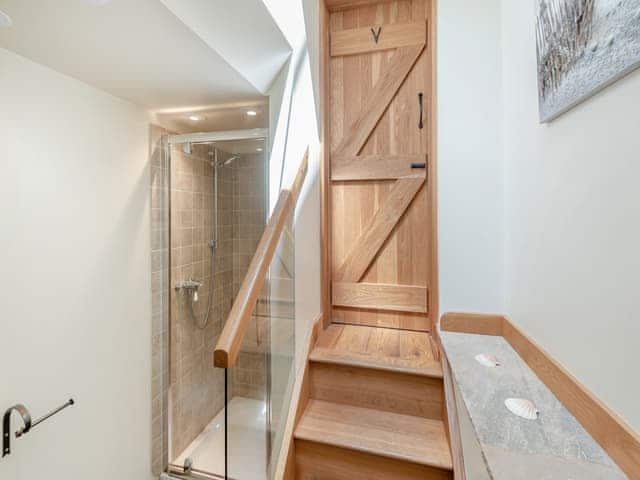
{"x":387,"y":342}
{"x":379,"y":348}
{"x":430,"y":368}
{"x":402,"y":437}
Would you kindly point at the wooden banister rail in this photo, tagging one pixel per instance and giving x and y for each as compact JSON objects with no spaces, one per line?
{"x":239,"y":319}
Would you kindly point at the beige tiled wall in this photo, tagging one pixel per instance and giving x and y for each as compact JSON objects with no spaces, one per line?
{"x":249,"y":205}
{"x":160,"y":300}
{"x":197,"y":388}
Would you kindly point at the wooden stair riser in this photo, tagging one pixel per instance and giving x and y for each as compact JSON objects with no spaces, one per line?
{"x":376,"y":389}
{"x":317,"y":461}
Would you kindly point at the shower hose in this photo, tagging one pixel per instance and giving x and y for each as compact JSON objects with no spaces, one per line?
{"x":202,"y":324}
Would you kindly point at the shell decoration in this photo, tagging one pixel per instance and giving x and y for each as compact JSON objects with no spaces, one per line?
{"x":487,"y":360}
{"x":522,"y":408}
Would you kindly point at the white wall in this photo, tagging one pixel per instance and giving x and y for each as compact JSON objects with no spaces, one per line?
{"x":312,"y":26}
{"x":292,"y":96}
{"x":75,"y":284}
{"x":470,"y":196}
{"x":572,"y":222}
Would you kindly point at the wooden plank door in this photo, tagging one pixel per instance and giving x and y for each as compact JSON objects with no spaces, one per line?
{"x":381,"y":223}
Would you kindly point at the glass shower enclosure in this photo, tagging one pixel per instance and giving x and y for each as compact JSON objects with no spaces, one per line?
{"x":224,"y":424}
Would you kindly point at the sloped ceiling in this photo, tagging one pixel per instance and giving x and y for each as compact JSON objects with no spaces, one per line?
{"x":145,"y":52}
{"x":241,"y":31}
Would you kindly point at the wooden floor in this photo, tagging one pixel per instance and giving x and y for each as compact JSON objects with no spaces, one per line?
{"x":374,"y":408}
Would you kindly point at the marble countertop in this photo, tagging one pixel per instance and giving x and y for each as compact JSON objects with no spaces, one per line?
{"x":554,"y":446}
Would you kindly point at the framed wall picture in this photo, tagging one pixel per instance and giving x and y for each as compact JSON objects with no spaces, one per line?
{"x":583,"y":46}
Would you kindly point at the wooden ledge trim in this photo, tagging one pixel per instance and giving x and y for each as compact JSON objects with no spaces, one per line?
{"x":452,"y":423}
{"x":605,"y":426}
{"x":477,"y":323}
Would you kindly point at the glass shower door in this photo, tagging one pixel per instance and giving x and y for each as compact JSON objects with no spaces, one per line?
{"x":217,"y":215}
{"x":200,"y":289}
{"x":259,"y":385}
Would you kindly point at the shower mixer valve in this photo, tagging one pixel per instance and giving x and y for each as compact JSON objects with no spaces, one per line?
{"x":190,"y":287}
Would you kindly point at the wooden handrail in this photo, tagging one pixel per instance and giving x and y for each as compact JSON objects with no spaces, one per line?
{"x":239,"y":319}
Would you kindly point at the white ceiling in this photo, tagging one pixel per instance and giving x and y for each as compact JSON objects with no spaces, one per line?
{"x":231,"y":116}
{"x":139,"y":50}
{"x":241,"y":31}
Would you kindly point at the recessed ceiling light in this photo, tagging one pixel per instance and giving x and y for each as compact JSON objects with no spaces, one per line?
{"x":252,"y":113}
{"x":258,"y":149}
{"x":195,"y":118}
{"x":5,"y":20}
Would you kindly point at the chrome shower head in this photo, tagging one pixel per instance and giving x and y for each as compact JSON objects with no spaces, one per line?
{"x":223,"y":163}
{"x":229,"y":160}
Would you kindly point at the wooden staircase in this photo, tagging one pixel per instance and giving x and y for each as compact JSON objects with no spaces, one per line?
{"x":375,"y":408}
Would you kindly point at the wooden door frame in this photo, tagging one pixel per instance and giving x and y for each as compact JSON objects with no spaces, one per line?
{"x":325,"y":161}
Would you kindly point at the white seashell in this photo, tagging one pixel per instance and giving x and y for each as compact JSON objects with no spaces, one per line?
{"x":522,"y":408}
{"x":487,"y":360}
